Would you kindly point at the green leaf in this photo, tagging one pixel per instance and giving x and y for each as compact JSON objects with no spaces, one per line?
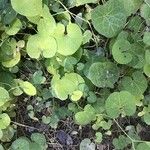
{"x":1,"y":147}
{"x":136,"y":84}
{"x":82,"y":2}
{"x":120,"y":51}
{"x":147,"y":56}
{"x":14,"y":27}
{"x":109,"y":19}
{"x":38,"y":77}
{"x":121,"y":142}
{"x":28,"y":88}
{"x":86,"y":144}
{"x":20,"y":144}
{"x":147,"y":69}
{"x":41,"y":45}
{"x":147,"y":118}
{"x":76,"y":95}
{"x":68,"y":40}
{"x":14,"y":61}
{"x":120,"y":103}
{"x":146,"y":38}
{"x":98,"y":137}
{"x":86,"y":116}
{"x":143,"y":146}
{"x":103,"y":74}
{"x":39,"y":139}
{"x":27,"y":7}
{"x":67,"y":85}
{"x":145,"y":13}
{"x":4,"y":121}
{"x":46,"y":24}
{"x":131,"y":6}
{"x":4,"y":96}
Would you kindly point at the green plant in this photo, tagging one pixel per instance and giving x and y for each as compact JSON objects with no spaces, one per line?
{"x":92,"y":66}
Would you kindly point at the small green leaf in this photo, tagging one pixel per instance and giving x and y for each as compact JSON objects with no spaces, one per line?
{"x":86,"y":144}
{"x":146,"y":38}
{"x":120,"y":102}
{"x":14,"y":61}
{"x":86,"y":116}
{"x":147,"y":69}
{"x":4,"y":96}
{"x":20,"y":144}
{"x":120,"y":51}
{"x":28,"y":88}
{"x":76,"y":95}
{"x":4,"y":121}
{"x":14,"y":27}
{"x":98,"y":137}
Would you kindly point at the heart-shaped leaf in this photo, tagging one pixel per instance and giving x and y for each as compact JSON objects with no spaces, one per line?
{"x":120,"y":103}
{"x":109,"y":19}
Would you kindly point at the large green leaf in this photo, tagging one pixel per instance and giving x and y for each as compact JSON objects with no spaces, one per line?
{"x":136,"y":84}
{"x":27,"y":7}
{"x":4,"y":96}
{"x":109,"y":19}
{"x":103,"y":74}
{"x":120,"y":103}
{"x":120,"y":51}
{"x":68,"y":40}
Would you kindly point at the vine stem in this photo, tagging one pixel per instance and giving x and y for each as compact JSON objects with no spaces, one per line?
{"x":25,"y":126}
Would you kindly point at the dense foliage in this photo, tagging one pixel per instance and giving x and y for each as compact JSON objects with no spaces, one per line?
{"x":88,"y":60}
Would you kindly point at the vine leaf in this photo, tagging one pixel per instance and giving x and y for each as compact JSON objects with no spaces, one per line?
{"x":120,"y":103}
{"x":103,"y":74}
{"x":41,"y":45}
{"x":136,"y":84}
{"x":71,"y":84}
{"x":146,"y":38}
{"x":68,"y":40}
{"x":109,"y":19}
{"x":4,"y":120}
{"x":86,"y":116}
{"x":120,"y":51}
{"x":4,"y":96}
{"x":27,"y":7}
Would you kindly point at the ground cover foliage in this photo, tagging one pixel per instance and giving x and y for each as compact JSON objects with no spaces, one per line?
{"x":74,"y":74}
